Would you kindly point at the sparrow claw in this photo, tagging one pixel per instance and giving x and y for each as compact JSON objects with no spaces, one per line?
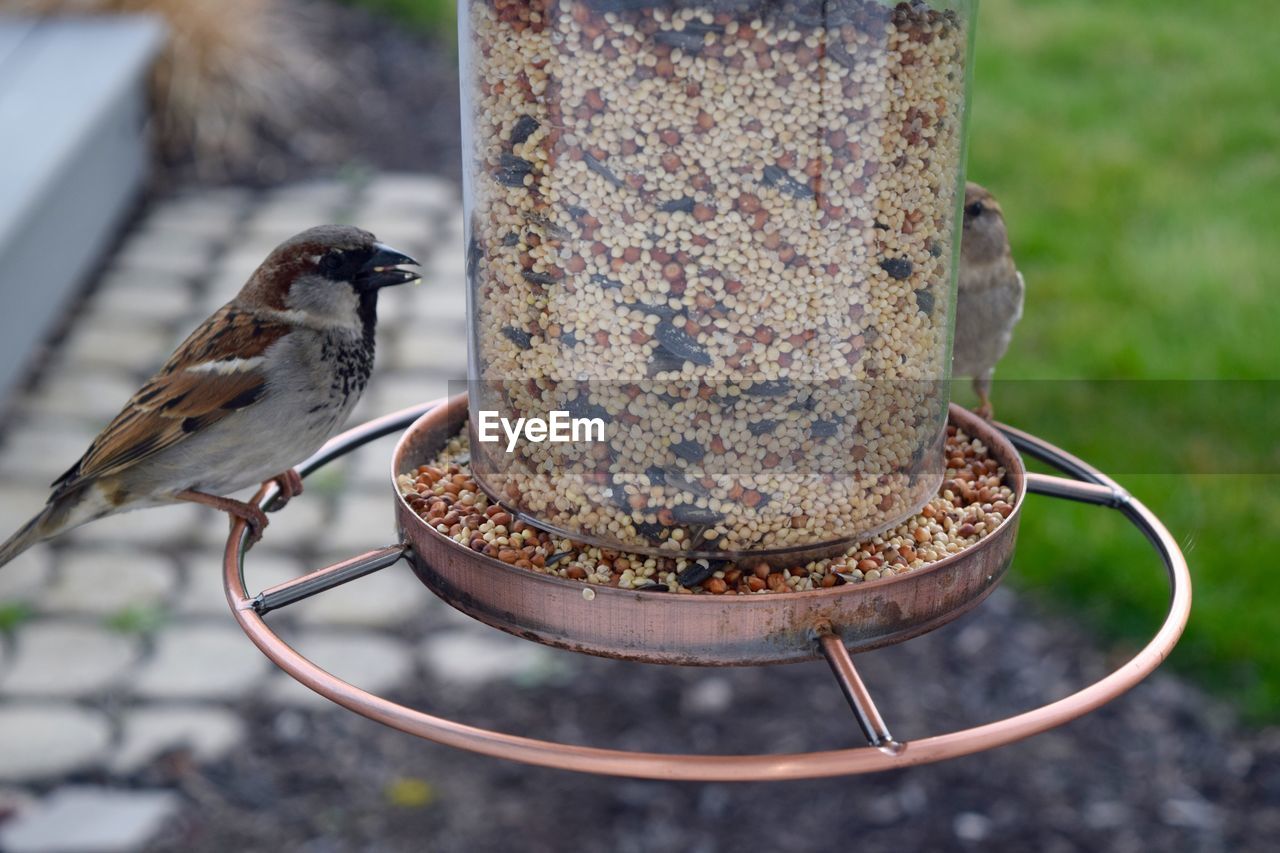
{"x":290,"y":483}
{"x":252,"y":516}
{"x":257,"y":522}
{"x":984,"y":409}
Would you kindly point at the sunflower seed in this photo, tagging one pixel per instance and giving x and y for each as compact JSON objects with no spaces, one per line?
{"x":696,"y":573}
{"x":511,"y":170}
{"x":897,"y":268}
{"x":524,"y":128}
{"x":651,"y":530}
{"x":519,"y":337}
{"x":689,"y":450}
{"x":601,"y":169}
{"x":551,"y":229}
{"x":686,"y":41}
{"x":694,"y":514}
{"x":543,"y":278}
{"x":677,"y":480}
{"x":776,"y":176}
{"x":582,"y":407}
{"x":924,"y":300}
{"x":768,"y":388}
{"x":681,"y":344}
{"x":475,"y":253}
{"x":824,"y":429}
{"x":655,"y":310}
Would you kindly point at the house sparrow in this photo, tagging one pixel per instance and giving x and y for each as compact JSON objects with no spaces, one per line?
{"x":256,"y":389}
{"x":989,"y":295}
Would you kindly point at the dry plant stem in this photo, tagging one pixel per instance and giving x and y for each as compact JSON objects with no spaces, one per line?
{"x":230,"y":68}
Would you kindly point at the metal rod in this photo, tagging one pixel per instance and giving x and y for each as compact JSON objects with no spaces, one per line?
{"x":284,"y":594}
{"x":338,"y":446}
{"x":1055,"y":456}
{"x":1075,"y":490}
{"x":855,"y":690}
{"x":343,"y":444}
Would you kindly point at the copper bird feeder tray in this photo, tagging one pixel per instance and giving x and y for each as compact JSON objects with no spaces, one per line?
{"x":706,"y":629}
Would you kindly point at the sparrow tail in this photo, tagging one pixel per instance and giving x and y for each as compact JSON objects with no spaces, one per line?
{"x":35,"y":530}
{"x":65,"y":509}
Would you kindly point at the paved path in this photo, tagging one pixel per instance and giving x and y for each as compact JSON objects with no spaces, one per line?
{"x":116,"y":647}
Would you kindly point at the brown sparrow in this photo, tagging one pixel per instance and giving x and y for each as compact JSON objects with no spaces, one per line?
{"x":989,"y":295}
{"x":256,"y":389}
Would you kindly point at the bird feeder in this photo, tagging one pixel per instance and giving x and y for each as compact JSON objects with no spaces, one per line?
{"x":722,"y":235}
{"x":712,"y":630}
{"x":720,"y":238}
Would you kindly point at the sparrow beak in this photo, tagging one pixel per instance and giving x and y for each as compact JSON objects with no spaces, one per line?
{"x":383,"y":269}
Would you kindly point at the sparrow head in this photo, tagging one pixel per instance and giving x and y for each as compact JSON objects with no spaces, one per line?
{"x":985,"y":238}
{"x":331,"y":273}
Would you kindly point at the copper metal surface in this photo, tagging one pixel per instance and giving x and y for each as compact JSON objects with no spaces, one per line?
{"x":1097,"y":489}
{"x":855,"y":690}
{"x":712,"y":630}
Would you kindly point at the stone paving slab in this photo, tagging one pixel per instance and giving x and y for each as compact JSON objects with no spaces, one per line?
{"x":19,"y":501}
{"x":87,"y":394}
{"x":45,"y":740}
{"x":38,"y":455}
{"x":202,"y":591}
{"x":135,"y":348}
{"x":149,"y":731}
{"x":107,"y":581}
{"x":65,"y":659}
{"x":25,"y":579}
{"x":211,"y":662}
{"x":372,"y":661}
{"x":158,"y":527}
{"x":364,"y":521}
{"x":141,"y":304}
{"x":470,"y":656}
{"x":89,"y":820}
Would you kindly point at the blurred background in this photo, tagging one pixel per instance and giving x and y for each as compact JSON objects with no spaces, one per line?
{"x":1135,"y":148}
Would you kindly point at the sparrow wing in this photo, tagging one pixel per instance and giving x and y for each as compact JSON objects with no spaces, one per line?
{"x":216,"y":371}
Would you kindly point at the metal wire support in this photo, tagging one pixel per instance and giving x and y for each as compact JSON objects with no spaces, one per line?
{"x":1083,"y":483}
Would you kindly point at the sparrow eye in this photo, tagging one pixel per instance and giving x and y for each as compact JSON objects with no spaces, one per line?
{"x":975,"y":209}
{"x":331,"y":262}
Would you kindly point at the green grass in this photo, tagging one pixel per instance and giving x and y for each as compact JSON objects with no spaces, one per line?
{"x":137,"y":620}
{"x":1136,"y":150}
{"x":431,"y":16}
{"x":1135,"y":147}
{"x":12,"y":616}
